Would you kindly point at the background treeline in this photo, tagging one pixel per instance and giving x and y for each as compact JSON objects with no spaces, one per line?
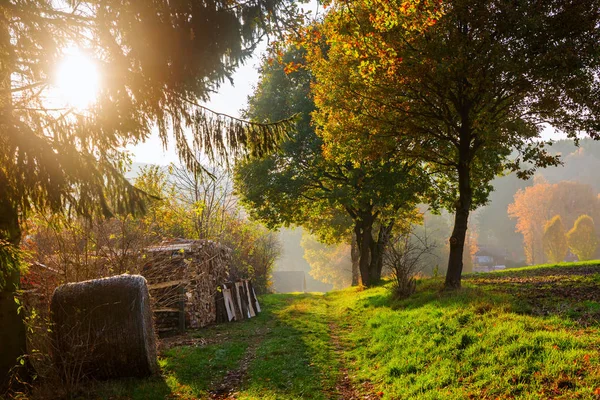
{"x":183,"y":207}
{"x":511,"y":226}
{"x":514,"y":219}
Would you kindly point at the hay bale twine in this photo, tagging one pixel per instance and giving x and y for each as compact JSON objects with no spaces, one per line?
{"x":103,"y":328}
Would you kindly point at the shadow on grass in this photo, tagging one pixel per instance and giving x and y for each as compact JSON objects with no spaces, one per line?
{"x":187,"y":373}
{"x":294,"y":360}
{"x":569,"y":292}
{"x":284,"y":353}
{"x":153,"y":388}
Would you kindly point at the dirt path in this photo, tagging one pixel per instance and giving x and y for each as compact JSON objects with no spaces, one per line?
{"x":232,"y":382}
{"x":346,"y":389}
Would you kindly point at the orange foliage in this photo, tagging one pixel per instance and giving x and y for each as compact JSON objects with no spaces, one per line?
{"x":531,"y":209}
{"x":536,"y":204}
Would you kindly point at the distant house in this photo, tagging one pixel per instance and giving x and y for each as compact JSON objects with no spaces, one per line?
{"x":289,"y":281}
{"x":489,"y":258}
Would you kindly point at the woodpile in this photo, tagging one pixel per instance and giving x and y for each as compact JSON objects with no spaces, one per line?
{"x":103,"y":328}
{"x":185,"y":275}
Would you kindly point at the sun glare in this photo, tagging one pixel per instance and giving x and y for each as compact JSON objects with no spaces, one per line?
{"x":77,"y":79}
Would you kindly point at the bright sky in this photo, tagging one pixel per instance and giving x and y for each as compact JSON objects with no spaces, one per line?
{"x":229,"y":100}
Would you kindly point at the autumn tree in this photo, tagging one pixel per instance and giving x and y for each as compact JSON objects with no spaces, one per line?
{"x":536,"y":204}
{"x":555,"y":240}
{"x":158,"y":60}
{"x":298,"y":185}
{"x":531,"y":208}
{"x":457,"y":85}
{"x":166,"y":215}
{"x":571,"y":199}
{"x":209,"y":199}
{"x":471,"y":248}
{"x":582,"y":238}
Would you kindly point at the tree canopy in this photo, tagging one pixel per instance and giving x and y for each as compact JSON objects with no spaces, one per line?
{"x":555,"y":240}
{"x":299,"y":185}
{"x":457,"y":85}
{"x":582,"y":238}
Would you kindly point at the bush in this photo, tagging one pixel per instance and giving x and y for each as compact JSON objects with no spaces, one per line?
{"x":403,"y":258}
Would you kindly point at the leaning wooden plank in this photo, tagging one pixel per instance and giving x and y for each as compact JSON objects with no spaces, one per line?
{"x":253,"y":295}
{"x":229,"y":304}
{"x":243,"y":299}
{"x":249,"y":299}
{"x":103,"y":328}
{"x":237,"y":305}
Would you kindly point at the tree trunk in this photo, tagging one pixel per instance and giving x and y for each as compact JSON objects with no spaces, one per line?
{"x":461,"y":219}
{"x":12,"y":326}
{"x":364,"y":237}
{"x":383,"y":239}
{"x":355,"y":257}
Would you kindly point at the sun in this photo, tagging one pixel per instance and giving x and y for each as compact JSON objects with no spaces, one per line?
{"x":77,"y":79}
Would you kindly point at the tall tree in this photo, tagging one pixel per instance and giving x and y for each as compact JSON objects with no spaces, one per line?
{"x":555,"y":240}
{"x":531,"y":209}
{"x":210,"y":200}
{"x":459,"y":85}
{"x":298,"y":185}
{"x":159,"y":60}
{"x":582,"y":238}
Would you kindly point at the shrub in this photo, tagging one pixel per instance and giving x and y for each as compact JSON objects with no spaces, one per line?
{"x":403,"y":258}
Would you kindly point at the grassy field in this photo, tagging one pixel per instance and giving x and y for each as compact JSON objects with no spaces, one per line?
{"x":531,"y":333}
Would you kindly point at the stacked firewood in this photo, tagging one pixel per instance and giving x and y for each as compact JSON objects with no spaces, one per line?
{"x":184,"y":278}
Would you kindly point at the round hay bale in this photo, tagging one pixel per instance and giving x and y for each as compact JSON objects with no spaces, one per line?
{"x":103,"y":329}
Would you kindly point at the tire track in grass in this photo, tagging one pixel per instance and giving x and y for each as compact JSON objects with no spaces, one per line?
{"x":346,"y":389}
{"x":232,"y":381}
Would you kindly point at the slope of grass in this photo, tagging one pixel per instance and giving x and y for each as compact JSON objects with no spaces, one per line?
{"x":529,"y":333}
{"x":470,"y":344}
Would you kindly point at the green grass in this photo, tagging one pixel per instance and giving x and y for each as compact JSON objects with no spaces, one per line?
{"x":292,"y":357}
{"x":469,"y":344}
{"x":188,"y":373}
{"x":527,"y":333}
{"x":295,"y":360}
